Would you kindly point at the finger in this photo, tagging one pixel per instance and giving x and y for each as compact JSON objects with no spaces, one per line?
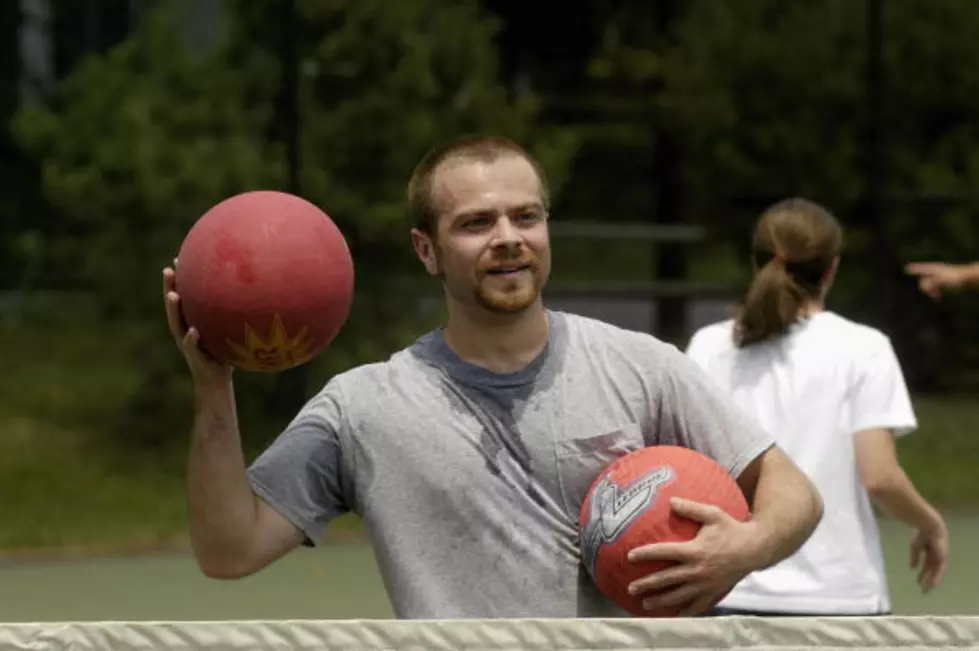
{"x":663,"y":579}
{"x":927,"y":581}
{"x":169,"y":280}
{"x":698,"y":511}
{"x":929,"y":568}
{"x":915,"y":555}
{"x":682,"y":595}
{"x":919,"y":268}
{"x":699,"y":606}
{"x":669,"y":551}
{"x":174,"y":317}
{"x":934,"y":571}
{"x":930,"y":289}
{"x":939,"y":574}
{"x":192,"y":339}
{"x":192,"y":347}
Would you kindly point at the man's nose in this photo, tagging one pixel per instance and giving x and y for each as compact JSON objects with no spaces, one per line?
{"x":505,"y":234}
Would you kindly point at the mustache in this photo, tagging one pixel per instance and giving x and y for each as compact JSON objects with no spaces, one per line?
{"x":509,"y":263}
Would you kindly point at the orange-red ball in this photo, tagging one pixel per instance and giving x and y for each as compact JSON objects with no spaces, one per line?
{"x":267,"y":279}
{"x":628,"y":506}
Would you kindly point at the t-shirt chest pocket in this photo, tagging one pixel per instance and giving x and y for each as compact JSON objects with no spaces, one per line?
{"x":581,"y":460}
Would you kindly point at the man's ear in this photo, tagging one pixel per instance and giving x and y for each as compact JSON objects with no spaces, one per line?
{"x":425,"y":250}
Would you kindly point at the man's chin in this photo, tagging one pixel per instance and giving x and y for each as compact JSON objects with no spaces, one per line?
{"x":510,"y":303}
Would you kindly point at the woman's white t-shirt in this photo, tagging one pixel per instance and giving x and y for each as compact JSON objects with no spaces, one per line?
{"x":813,"y":390}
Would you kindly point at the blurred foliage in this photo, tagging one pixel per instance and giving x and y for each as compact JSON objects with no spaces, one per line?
{"x":134,"y":146}
{"x":381,"y":84}
{"x":754,"y":100}
{"x":759,"y":99}
{"x":769,"y":100}
{"x":137,"y":143}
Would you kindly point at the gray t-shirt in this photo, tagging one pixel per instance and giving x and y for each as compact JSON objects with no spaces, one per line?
{"x":469,"y":482}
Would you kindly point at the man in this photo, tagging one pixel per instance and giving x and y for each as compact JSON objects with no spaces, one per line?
{"x":934,"y":277}
{"x":467,"y":455}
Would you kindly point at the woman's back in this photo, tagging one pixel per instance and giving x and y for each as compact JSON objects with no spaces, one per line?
{"x":814,"y":387}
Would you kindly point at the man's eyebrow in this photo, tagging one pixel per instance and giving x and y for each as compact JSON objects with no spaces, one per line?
{"x":529,"y":206}
{"x":473,"y":213}
{"x":535,"y":206}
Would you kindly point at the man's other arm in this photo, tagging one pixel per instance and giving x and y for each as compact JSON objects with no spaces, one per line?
{"x":233,"y":533}
{"x":243,"y":519}
{"x":786,"y":507}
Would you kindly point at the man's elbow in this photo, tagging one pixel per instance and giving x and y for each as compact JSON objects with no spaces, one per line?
{"x":782,"y":476}
{"x":816,"y":501}
{"x":811,"y":501}
{"x":223,"y":571}
{"x":225,"y":565}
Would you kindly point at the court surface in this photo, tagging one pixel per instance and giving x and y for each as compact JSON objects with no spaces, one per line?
{"x":340,"y":581}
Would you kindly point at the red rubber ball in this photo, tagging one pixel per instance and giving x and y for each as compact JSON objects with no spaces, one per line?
{"x":628,"y":506}
{"x":267,"y":279}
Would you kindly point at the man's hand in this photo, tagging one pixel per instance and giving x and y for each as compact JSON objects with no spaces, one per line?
{"x":934,"y":277}
{"x":206,"y":371}
{"x":929,"y":555}
{"x":707,"y":567}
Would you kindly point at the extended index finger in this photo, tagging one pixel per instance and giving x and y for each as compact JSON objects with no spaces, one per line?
{"x":923,"y":268}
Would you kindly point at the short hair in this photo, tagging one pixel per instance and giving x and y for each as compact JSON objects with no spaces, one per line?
{"x":421,"y":203}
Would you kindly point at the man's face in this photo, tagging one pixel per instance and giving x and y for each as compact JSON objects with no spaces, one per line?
{"x":491,"y":246}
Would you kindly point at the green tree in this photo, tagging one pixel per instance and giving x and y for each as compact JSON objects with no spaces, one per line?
{"x":382,"y":83}
{"x":771,"y":99}
{"x":138,"y":143}
{"x":775,"y":99}
{"x":134,"y":146}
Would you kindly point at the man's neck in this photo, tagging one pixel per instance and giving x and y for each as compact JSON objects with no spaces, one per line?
{"x":499,"y":343}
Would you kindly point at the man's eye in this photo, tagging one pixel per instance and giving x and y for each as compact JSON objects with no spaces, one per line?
{"x":532,"y":216}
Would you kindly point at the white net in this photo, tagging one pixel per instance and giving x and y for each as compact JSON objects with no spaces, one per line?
{"x":783,"y":634}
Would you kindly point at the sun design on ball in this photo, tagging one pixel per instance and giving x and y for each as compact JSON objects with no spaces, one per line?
{"x":277,"y":351}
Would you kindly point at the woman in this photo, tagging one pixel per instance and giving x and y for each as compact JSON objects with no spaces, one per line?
{"x":832,"y":393}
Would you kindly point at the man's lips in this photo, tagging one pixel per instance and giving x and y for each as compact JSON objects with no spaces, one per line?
{"x":505,"y":270}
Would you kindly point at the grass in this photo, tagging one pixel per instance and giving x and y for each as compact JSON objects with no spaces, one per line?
{"x":937,"y":456}
{"x":76,"y":477}
{"x":340,"y":581}
{"x":69,"y":484}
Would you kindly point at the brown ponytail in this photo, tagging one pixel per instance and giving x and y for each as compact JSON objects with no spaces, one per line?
{"x":793,"y":248}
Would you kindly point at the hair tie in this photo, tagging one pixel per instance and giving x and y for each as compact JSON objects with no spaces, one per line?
{"x":761,"y":258}
{"x":808,"y":272}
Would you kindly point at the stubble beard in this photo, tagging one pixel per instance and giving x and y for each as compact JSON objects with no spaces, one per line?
{"x":504,"y":301}
{"x":507,"y":299}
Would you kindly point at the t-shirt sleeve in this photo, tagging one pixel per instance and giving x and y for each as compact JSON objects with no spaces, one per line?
{"x":695,"y":413}
{"x":300,"y":473}
{"x":879,"y":397}
{"x":697,"y":348}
